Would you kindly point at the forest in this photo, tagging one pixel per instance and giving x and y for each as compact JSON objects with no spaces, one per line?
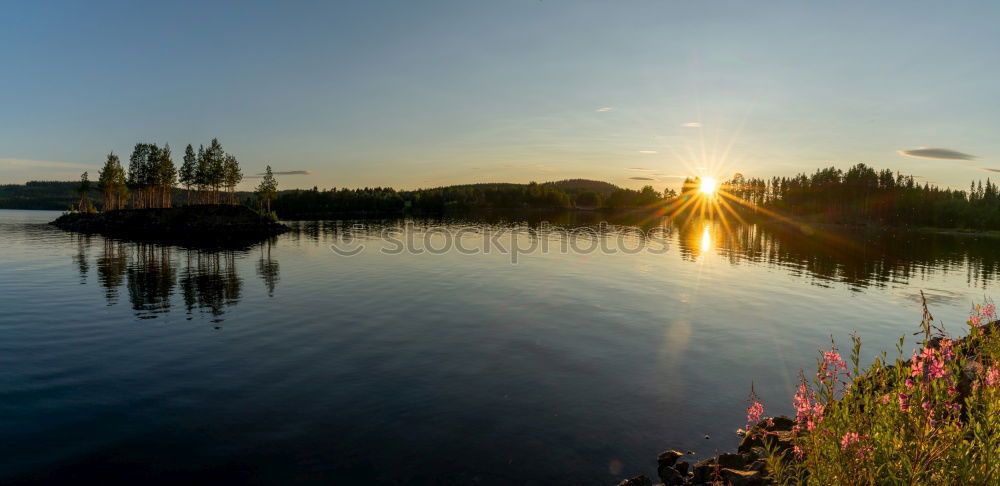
{"x":208,"y":175}
{"x":863,"y":195}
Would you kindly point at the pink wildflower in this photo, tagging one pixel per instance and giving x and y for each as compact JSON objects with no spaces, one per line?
{"x":993,"y":376}
{"x":754,"y":413}
{"x":798,"y":452}
{"x":886,"y":398}
{"x":946,"y":349}
{"x":937,"y":370}
{"x":848,"y":439}
{"x":904,"y":402}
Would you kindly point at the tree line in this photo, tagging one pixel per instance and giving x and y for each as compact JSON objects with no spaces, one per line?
{"x":208,"y":176}
{"x":553,"y":195}
{"x":863,"y":195}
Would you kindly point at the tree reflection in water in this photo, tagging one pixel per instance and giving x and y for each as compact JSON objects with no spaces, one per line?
{"x":208,"y":280}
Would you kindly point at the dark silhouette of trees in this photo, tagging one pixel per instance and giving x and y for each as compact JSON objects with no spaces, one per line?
{"x":863,"y":195}
{"x":267,"y":190}
{"x":151,"y":175}
{"x":84,"y":204}
{"x":187,"y":174}
{"x":112,"y":184}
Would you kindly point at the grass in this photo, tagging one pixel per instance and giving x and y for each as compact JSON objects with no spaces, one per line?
{"x":933,"y":418}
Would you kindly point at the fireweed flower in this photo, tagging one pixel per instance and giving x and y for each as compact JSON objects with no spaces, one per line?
{"x":936,"y":369}
{"x":848,"y":439}
{"x":798,"y":452}
{"x":946,"y":349}
{"x":904,"y":402}
{"x":754,"y":413}
{"x":805,"y":411}
{"x":993,"y":376}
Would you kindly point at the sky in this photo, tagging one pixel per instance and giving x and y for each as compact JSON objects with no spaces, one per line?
{"x":420,"y":94}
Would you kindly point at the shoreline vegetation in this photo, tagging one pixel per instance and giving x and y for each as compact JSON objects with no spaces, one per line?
{"x":859,"y":196}
{"x":931,"y":419}
{"x":219,"y":224}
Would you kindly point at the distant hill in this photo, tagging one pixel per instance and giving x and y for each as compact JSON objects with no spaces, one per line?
{"x":576,"y":186}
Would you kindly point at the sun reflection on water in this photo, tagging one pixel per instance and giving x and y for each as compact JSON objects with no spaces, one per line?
{"x":706,"y":239}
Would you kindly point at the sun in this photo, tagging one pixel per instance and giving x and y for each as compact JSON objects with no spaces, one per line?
{"x":708,"y":185}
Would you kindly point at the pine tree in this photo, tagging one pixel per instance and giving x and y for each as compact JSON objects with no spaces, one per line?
{"x":267,"y":190}
{"x":232,"y":176}
{"x":82,"y":190}
{"x":201,"y":174}
{"x":110,"y":180}
{"x":188,"y":170}
{"x":166,"y":176}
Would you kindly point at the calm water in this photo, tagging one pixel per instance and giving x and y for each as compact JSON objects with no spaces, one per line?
{"x":287,"y":362}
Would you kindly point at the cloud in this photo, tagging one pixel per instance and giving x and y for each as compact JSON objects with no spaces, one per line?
{"x":647,"y":152}
{"x":936,"y":153}
{"x":642,"y":178}
{"x":292,"y":172}
{"x":691,"y":125}
{"x":639,"y":168}
{"x":988,"y":169}
{"x":603,"y":110}
{"x":281,"y":173}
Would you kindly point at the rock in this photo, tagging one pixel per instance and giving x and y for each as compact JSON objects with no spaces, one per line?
{"x":670,"y":476}
{"x":758,"y":465}
{"x":735,"y":477}
{"x":636,"y":481}
{"x":668,"y":458}
{"x":704,"y":471}
{"x":780,"y":439}
{"x":731,"y":461}
{"x":682,"y":467}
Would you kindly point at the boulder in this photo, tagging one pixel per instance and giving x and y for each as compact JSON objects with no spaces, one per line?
{"x":668,"y":458}
{"x":731,"y":461}
{"x":670,"y":476}
{"x":636,"y":481}
{"x":682,"y":467}
{"x":736,"y":477}
{"x":704,"y":471}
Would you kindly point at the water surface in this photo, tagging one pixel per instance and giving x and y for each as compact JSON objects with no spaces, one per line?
{"x":130,"y":363}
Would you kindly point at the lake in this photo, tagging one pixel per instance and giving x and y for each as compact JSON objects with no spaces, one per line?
{"x":428,"y":356}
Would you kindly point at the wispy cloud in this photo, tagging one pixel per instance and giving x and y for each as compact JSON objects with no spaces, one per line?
{"x":989,"y":169}
{"x":647,"y":152}
{"x":604,"y":110}
{"x":639,"y":168}
{"x":642,"y":178}
{"x":936,"y":153}
{"x":281,"y":173}
{"x":691,"y":125}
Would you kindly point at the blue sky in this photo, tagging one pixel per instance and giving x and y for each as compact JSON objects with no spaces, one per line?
{"x":417,"y":94}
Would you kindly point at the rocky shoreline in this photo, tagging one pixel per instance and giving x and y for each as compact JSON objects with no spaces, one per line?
{"x":747,"y":466}
{"x":203,"y":224}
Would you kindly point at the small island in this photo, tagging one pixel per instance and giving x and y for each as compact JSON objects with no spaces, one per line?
{"x":137,"y":204}
{"x":186,"y":224}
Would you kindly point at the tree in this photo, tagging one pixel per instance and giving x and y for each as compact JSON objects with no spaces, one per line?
{"x":187,"y":172}
{"x":166,"y":176}
{"x":138,"y":173}
{"x":84,"y":205}
{"x":111,"y":182}
{"x":267,"y":190}
{"x":231,"y":176}
{"x":201,"y":177}
{"x":215,"y":160}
